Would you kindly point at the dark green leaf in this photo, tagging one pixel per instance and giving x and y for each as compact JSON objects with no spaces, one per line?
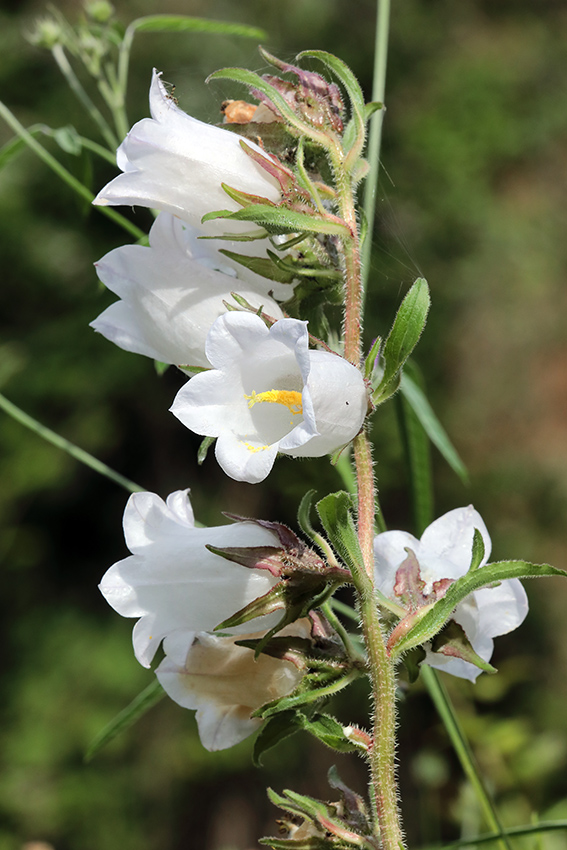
{"x":330,"y":732}
{"x":434,"y":619}
{"x":402,"y":339}
{"x":433,"y":428}
{"x":272,"y":731}
{"x":127,"y":717}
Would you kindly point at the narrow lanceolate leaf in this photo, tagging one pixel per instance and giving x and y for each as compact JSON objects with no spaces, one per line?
{"x":402,"y":339}
{"x":127,"y":717}
{"x":279,"y":220}
{"x":184,"y":23}
{"x":432,"y":426}
{"x":255,"y":81}
{"x":477,"y":550}
{"x":436,"y":617}
{"x":330,"y":732}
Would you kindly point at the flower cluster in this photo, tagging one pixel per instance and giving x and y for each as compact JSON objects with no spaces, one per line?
{"x":266,"y":392}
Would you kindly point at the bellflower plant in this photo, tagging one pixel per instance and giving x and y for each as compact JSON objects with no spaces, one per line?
{"x":253,"y":278}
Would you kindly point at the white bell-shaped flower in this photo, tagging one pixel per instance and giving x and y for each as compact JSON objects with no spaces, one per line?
{"x":172,"y":292}
{"x":174,"y":162}
{"x":268,"y":393}
{"x":171,"y":581}
{"x":445,"y":552}
{"x":224,"y":682}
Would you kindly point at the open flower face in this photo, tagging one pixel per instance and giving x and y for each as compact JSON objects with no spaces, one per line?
{"x":224,"y":682}
{"x":174,"y":162}
{"x":171,"y":293}
{"x":445,"y":552}
{"x":171,"y":581}
{"x":267,"y":393}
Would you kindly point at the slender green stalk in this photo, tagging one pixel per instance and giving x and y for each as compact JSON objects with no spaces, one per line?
{"x":71,"y":449}
{"x":65,"y":175}
{"x":376,"y":122}
{"x":533,"y":829}
{"x":75,"y":85}
{"x":464,"y":753}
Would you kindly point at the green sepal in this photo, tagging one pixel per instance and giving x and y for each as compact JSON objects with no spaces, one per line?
{"x":402,"y":339}
{"x":312,"y":842}
{"x":264,"y":266}
{"x":332,"y":682}
{"x":436,"y":617}
{"x":453,"y":642}
{"x":477,"y":551}
{"x":206,"y":443}
{"x":304,"y":515}
{"x":249,"y":236}
{"x":272,"y":731}
{"x":245,"y":199}
{"x":161,"y":368}
{"x":278,"y":220}
{"x":354,"y":138}
{"x":126,"y":718}
{"x":418,"y":401}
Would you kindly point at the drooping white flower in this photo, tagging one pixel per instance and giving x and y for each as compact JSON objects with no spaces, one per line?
{"x":174,"y":162}
{"x":268,"y":393}
{"x":445,"y":552}
{"x":224,"y":683}
{"x":172,"y":582}
{"x":172,"y":292}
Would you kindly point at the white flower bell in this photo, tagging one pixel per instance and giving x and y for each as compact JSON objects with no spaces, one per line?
{"x":445,"y":552}
{"x":172,"y":292}
{"x":224,"y":682}
{"x":171,"y":581}
{"x":174,"y":162}
{"x":268,"y":393}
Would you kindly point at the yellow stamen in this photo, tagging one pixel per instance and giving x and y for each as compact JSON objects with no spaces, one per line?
{"x":289,"y":398}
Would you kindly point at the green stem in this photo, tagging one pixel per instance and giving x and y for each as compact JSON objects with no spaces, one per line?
{"x":71,"y":449}
{"x":447,"y":713}
{"x":375,"y":136}
{"x":381,"y":756}
{"x":533,"y":829}
{"x":65,"y":175}
{"x":75,"y":85}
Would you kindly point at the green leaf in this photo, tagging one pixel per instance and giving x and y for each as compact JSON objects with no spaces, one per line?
{"x":371,"y":108}
{"x":272,"y":731}
{"x":402,"y":339}
{"x":330,"y":732}
{"x":371,"y":358}
{"x":434,"y":619}
{"x":149,"y":697}
{"x":477,"y":550}
{"x":313,"y":842}
{"x":184,"y":23}
{"x":431,"y":425}
{"x":279,"y":220}
{"x":412,"y":661}
{"x":418,"y":452}
{"x":454,"y":643}
{"x":335,"y":512}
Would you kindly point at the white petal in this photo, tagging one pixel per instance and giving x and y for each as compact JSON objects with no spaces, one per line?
{"x":450,"y":539}
{"x":173,"y":582}
{"x":501,"y":609}
{"x":174,"y":162}
{"x":389,"y":554}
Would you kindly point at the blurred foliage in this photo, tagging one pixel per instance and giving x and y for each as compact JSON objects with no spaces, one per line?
{"x":472,"y":196}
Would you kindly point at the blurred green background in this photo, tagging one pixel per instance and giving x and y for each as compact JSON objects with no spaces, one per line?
{"x":473,"y":196}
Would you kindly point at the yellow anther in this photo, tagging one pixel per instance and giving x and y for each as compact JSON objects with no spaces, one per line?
{"x":289,"y":398}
